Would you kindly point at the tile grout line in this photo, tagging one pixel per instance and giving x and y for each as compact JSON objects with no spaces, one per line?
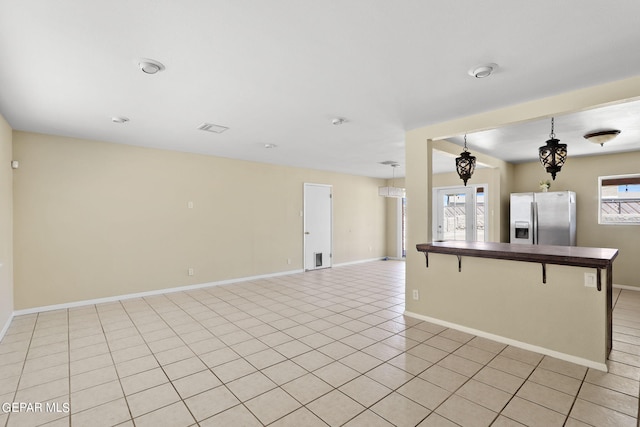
{"x":114,"y":366}
{"x":128,"y":314}
{"x":575,"y":398}
{"x":24,"y":362}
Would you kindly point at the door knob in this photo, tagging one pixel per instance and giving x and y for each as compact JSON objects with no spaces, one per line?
{"x":306,"y":232}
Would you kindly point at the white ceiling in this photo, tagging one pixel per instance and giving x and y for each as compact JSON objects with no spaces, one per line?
{"x":278,"y":71}
{"x":519,"y":142}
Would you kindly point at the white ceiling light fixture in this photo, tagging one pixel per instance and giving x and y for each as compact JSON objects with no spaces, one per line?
{"x":391,"y":191}
{"x":150,"y":66}
{"x":482,"y":71}
{"x":338,"y":121}
{"x":270,"y":146}
{"x":120,"y":120}
{"x":602,"y":136}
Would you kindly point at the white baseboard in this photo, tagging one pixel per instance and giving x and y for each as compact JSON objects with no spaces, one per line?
{"x":542,"y":350}
{"x":627,"y":287}
{"x":5,"y":328}
{"x":362,"y":261}
{"x":147,"y":293}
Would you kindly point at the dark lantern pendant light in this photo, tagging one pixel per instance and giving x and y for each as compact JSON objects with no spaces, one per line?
{"x":465,"y":164}
{"x":553,"y":155}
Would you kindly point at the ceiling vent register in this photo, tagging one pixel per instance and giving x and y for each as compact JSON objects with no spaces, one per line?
{"x":210,"y":127}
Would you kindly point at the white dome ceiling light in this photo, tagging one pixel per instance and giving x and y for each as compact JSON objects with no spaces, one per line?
{"x":482,"y":71}
{"x":149,"y":66}
{"x":120,"y":120}
{"x":602,"y":136}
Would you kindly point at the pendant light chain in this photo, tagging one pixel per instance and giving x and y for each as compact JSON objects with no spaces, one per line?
{"x":552,"y":135}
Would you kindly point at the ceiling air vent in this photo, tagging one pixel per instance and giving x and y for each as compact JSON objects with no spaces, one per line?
{"x":209,"y":127}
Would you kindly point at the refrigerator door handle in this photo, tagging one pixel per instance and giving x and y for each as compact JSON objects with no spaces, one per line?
{"x":534,"y":216}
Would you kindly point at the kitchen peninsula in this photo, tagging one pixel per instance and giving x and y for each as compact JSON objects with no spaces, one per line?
{"x":532,"y":296}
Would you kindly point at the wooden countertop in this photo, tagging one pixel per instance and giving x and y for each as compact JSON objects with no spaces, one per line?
{"x":560,"y":255}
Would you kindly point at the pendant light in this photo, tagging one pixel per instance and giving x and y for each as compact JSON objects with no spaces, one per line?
{"x":465,"y":164}
{"x":553,"y":155}
{"x":392,"y":191}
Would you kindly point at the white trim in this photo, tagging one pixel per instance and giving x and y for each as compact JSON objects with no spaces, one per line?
{"x":5,"y":328}
{"x":148,"y":293}
{"x":627,"y":287}
{"x":542,"y":350}
{"x":342,"y":264}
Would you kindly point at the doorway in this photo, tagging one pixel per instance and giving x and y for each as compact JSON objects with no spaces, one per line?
{"x":459,"y":213}
{"x":318,"y":226}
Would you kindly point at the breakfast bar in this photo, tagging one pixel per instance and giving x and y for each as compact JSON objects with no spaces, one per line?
{"x":559,"y":294}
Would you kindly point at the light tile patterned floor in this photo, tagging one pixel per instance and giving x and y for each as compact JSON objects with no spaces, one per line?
{"x":311,"y":349}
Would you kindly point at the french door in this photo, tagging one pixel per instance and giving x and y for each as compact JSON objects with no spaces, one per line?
{"x":459,"y":213}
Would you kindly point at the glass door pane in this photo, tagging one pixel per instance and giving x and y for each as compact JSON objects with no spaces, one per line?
{"x":480,"y":215}
{"x":455,"y":214}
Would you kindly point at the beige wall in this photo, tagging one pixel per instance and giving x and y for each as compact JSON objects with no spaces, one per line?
{"x":94,"y":219}
{"x":6,"y":224}
{"x":580,"y":174}
{"x":419,"y":145}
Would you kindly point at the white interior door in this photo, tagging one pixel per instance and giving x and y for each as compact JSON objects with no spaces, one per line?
{"x":318,"y":214}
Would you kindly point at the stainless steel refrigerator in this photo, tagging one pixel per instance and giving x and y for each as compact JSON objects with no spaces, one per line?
{"x":543,"y":218}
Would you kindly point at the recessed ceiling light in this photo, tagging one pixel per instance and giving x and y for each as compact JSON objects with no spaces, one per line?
{"x":482,"y":71}
{"x":150,"y":66}
{"x":270,"y":145}
{"x":338,"y":121}
{"x":210,"y":127}
{"x":119,"y":119}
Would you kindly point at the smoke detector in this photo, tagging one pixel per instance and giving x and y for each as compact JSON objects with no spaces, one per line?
{"x":482,"y":71}
{"x":120,"y":120}
{"x":338,"y":121}
{"x":150,"y":66}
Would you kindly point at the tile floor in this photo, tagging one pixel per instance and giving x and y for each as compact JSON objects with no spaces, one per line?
{"x":327,"y":347}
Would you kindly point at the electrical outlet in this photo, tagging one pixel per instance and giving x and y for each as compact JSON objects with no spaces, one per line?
{"x":190,"y":205}
{"x":288,"y":260}
{"x":190,"y":271}
{"x":416,"y":294}
{"x":590,"y":280}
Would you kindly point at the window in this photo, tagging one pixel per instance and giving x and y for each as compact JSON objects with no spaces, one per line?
{"x":619,"y":199}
